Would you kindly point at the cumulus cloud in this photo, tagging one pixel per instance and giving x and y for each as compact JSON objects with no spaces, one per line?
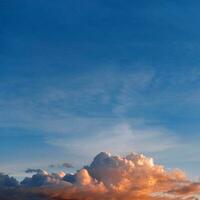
{"x":130,"y":177}
{"x":134,"y":176}
{"x":43,"y":178}
{"x":7,"y":181}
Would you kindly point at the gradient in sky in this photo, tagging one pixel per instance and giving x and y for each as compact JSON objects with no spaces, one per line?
{"x":81,"y":77}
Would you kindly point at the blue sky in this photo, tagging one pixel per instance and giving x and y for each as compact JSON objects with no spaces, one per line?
{"x":79,"y":77}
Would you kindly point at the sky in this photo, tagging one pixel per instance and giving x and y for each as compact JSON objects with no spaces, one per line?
{"x":81,"y":77}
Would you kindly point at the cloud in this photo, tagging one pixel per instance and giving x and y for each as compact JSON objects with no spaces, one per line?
{"x":132,"y":171}
{"x":92,"y":91}
{"x":39,"y":171}
{"x":20,"y":194}
{"x":71,"y":178}
{"x":134,"y":176}
{"x":64,"y":165}
{"x":119,"y":138}
{"x":7,"y":181}
{"x":129,"y":177}
{"x":67,"y":165}
{"x":43,"y":178}
{"x":188,"y":189}
{"x":98,"y":103}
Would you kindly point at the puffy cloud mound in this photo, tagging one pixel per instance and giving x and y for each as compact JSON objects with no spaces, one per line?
{"x":132,"y":171}
{"x":43,"y":178}
{"x":71,"y":178}
{"x":7,"y":181}
{"x":131,"y":177}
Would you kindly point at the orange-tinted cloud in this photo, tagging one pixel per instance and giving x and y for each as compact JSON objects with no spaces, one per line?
{"x":132,"y":177}
{"x":125,"y":178}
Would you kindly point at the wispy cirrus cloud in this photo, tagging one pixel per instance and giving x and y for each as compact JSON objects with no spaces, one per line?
{"x":119,"y":138}
{"x":99,"y":94}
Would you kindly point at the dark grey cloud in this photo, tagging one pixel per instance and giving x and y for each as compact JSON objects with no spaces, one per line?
{"x":20,"y":194}
{"x":30,"y":170}
{"x":43,"y":179}
{"x":71,"y":178}
{"x":63,"y":165}
{"x":67,"y":165}
{"x":7,"y":181}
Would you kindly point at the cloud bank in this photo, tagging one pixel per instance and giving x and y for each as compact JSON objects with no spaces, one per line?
{"x":129,"y":177}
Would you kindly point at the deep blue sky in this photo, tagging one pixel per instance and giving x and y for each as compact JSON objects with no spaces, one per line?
{"x":78,"y":77}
